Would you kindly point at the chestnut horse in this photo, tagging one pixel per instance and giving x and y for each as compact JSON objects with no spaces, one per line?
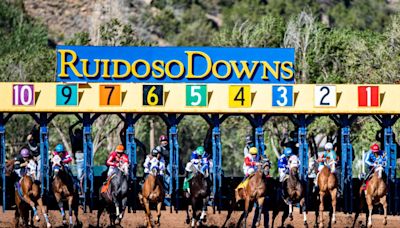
{"x":255,"y":191}
{"x":327,"y":184}
{"x":153,"y":192}
{"x":27,"y":195}
{"x":64,"y":188}
{"x":375,"y":192}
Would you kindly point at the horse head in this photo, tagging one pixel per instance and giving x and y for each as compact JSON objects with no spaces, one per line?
{"x":379,"y":170}
{"x":57,"y":165}
{"x":264,"y":166}
{"x":124,"y":168}
{"x":154,"y":171}
{"x":332,"y":165}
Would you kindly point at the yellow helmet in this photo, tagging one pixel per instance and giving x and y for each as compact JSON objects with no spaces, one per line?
{"x":253,"y":150}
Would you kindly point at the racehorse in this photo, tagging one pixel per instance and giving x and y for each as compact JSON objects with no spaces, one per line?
{"x":255,"y":191}
{"x":375,"y":192}
{"x":116,"y":195}
{"x":327,"y":184}
{"x":64,"y":188}
{"x":294,"y":191}
{"x":199,"y":194}
{"x":152,"y":191}
{"x":27,"y":195}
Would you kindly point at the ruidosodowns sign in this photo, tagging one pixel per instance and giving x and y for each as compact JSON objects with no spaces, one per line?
{"x":175,"y":64}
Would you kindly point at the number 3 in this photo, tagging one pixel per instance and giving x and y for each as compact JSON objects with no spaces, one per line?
{"x":283,"y":95}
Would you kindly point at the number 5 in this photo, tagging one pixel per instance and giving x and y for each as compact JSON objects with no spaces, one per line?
{"x":194,"y":93}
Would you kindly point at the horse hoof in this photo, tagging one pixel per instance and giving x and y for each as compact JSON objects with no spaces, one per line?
{"x":187,"y":221}
{"x":37,"y":218}
{"x":305,"y":223}
{"x":321,"y":225}
{"x":257,"y":224}
{"x":48,"y":225}
{"x":64,"y":222}
{"x":385,"y":222}
{"x":369,"y":225}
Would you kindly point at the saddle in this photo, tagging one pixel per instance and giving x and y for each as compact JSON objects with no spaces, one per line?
{"x":106,"y":186}
{"x":244,"y":183}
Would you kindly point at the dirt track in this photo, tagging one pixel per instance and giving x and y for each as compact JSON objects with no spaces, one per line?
{"x":171,"y":220}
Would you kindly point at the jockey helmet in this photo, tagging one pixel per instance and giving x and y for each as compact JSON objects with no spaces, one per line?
{"x":287,"y":151}
{"x":375,"y":148}
{"x":328,"y":146}
{"x":200,"y":150}
{"x":59,"y":148}
{"x":120,"y":148}
{"x":155,"y":152}
{"x":25,"y":153}
{"x":163,"y":138}
{"x":249,"y":139}
{"x":253,"y":151}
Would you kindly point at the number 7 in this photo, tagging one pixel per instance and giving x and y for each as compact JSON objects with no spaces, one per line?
{"x":110,"y":94}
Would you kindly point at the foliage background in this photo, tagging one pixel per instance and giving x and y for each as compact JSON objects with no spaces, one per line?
{"x":336,"y":41}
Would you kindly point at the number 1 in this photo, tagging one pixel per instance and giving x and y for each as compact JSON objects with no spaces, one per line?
{"x":369,"y":95}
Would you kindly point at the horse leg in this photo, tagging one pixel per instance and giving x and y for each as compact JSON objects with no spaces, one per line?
{"x":247,"y":207}
{"x":321,"y":208}
{"x":204,"y":210}
{"x":333,"y":196}
{"x":61,"y":206}
{"x":370,"y":207}
{"x":159,"y":204}
{"x":123,"y":204}
{"x":260,"y":203}
{"x":70,"y":201}
{"x":17,"y":217}
{"x":99,"y":212}
{"x":148,"y":212}
{"x":46,"y":218}
{"x":194,"y":210}
{"x":290,"y":211}
{"x":303,"y":207}
{"x":32,"y":205}
{"x":384,"y":205}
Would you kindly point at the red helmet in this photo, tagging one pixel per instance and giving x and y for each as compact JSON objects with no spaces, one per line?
{"x":163,"y":138}
{"x":374,"y":148}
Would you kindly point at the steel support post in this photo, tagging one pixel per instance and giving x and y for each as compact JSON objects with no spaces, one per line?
{"x":3,"y":158}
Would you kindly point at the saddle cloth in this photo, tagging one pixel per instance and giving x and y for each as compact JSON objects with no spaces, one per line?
{"x":244,"y":183}
{"x":105,"y":186}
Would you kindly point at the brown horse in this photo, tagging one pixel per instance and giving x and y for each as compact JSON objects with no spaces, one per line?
{"x":27,"y":195}
{"x":295,"y":194}
{"x":327,"y":184}
{"x":152,"y":191}
{"x":63,"y":187}
{"x":255,"y":191}
{"x":375,"y":193}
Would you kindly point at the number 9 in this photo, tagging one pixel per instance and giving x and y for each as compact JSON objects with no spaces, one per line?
{"x":66,"y":91}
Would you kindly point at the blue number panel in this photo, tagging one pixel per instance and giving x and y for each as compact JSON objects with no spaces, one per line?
{"x":282,"y":96}
{"x":67,"y":95}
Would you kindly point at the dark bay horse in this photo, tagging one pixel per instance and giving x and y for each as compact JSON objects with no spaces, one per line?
{"x":375,"y":193}
{"x":27,"y":195}
{"x":116,"y":196}
{"x":199,"y":195}
{"x":64,"y":188}
{"x":327,"y":185}
{"x":255,"y":191}
{"x":152,"y":191}
{"x":294,"y":191}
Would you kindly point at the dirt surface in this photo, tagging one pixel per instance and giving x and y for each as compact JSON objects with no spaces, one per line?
{"x":171,"y":220}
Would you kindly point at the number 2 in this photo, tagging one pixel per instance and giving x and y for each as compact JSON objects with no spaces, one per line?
{"x":324,"y":96}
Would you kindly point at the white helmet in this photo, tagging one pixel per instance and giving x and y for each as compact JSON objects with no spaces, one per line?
{"x":328,"y":146}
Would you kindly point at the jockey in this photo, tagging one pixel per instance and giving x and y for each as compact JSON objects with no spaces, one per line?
{"x":323,"y":159}
{"x":164,"y":150}
{"x":154,"y":159}
{"x":374,"y":156}
{"x":283,"y":163}
{"x":198,"y":158}
{"x":64,"y":155}
{"x":22,"y":162}
{"x":115,"y":159}
{"x":249,"y":144}
{"x":33,"y":141}
{"x":250,"y":164}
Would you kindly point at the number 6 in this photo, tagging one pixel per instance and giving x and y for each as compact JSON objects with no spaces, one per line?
{"x":152,"y":98}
